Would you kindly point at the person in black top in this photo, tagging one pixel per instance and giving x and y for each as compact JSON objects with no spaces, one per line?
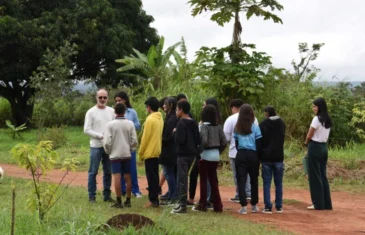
{"x":194,"y":172}
{"x":272,"y":157}
{"x":187,"y":139}
{"x":168,"y":152}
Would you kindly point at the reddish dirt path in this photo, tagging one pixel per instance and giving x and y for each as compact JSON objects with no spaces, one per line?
{"x":348,"y":216}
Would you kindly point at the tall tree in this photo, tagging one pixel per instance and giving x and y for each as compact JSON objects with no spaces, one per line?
{"x":27,"y":28}
{"x":226,"y":10}
{"x":103,"y":30}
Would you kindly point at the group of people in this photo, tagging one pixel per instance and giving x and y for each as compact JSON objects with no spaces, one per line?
{"x":186,"y":148}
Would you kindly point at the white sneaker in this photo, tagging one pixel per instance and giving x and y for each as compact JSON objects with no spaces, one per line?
{"x":311,"y":207}
{"x":243,"y":210}
{"x":255,"y":209}
{"x":138,"y":195}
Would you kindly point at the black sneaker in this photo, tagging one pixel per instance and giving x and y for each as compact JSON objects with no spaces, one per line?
{"x":164,"y":197}
{"x":127,"y":203}
{"x":235,"y":199}
{"x":279,"y":210}
{"x":179,"y":210}
{"x":267,"y":211}
{"x":210,"y":206}
{"x":117,"y":205}
{"x":92,"y":200}
{"x":109,"y":199}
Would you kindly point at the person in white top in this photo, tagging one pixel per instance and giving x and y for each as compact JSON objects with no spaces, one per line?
{"x":228,"y":129}
{"x":318,"y":155}
{"x":96,"y":120}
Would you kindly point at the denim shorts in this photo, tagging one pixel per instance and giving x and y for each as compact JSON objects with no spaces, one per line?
{"x":121,"y":166}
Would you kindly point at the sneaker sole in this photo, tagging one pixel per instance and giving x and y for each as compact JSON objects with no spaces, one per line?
{"x":279,"y":212}
{"x":267,"y":212}
{"x":236,"y":201}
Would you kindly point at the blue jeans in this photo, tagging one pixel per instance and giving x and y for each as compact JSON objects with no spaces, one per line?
{"x":134,"y":177}
{"x":248,"y":184}
{"x":268,"y":170}
{"x":98,"y":155}
{"x":169,"y":173}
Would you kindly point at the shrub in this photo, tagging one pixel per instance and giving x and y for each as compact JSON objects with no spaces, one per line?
{"x":5,"y":111}
{"x":55,"y":134}
{"x":39,"y":159}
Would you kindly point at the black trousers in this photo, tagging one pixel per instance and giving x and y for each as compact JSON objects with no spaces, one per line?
{"x":193,"y":179}
{"x":183,"y":166}
{"x":317,"y":175}
{"x":151,"y":168}
{"x":247,"y":162}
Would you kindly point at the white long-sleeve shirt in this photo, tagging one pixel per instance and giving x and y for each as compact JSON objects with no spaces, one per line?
{"x":228,"y":130}
{"x":96,"y":120}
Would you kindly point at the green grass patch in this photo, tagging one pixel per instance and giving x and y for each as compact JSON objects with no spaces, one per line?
{"x":74,"y":215}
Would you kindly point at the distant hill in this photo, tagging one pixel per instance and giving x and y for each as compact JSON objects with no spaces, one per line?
{"x":333,"y":83}
{"x":84,"y":87}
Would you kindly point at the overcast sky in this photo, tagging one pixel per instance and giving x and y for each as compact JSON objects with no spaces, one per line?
{"x":338,"y":24}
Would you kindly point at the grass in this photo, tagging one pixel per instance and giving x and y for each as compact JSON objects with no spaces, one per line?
{"x":74,"y":215}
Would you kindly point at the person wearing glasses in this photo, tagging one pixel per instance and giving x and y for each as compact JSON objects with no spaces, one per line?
{"x":96,"y":120}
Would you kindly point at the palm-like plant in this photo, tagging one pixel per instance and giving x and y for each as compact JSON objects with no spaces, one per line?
{"x":153,"y":65}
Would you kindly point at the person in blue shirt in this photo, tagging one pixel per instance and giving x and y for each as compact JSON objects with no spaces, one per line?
{"x":248,"y":138}
{"x":130,"y":114}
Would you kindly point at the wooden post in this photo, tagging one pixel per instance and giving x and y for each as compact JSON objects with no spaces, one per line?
{"x":13,"y":213}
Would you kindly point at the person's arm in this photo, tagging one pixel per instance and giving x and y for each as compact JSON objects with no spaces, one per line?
{"x":107,"y":141}
{"x":180,"y":134}
{"x":135,"y":120}
{"x":314,"y":125}
{"x":133,"y":139}
{"x":258,"y":141}
{"x":168,"y":133}
{"x":222,"y":139}
{"x":228,"y":130}
{"x":145,"y":138}
{"x":310,"y":135}
{"x":235,"y":136}
{"x":88,"y":127}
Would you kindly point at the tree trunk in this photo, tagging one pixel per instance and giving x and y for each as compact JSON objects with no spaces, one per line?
{"x":236,"y":39}
{"x":19,"y":98}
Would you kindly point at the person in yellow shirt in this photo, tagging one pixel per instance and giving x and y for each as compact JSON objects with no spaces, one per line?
{"x":150,"y":149}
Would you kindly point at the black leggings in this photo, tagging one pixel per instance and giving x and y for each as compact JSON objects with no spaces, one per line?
{"x":247,"y":162}
{"x":193,"y":179}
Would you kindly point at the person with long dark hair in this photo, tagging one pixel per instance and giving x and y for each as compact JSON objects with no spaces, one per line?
{"x":131,"y":115}
{"x":213,"y":101}
{"x":213,"y":143}
{"x":168,"y":157}
{"x":248,"y":137}
{"x":316,"y":141}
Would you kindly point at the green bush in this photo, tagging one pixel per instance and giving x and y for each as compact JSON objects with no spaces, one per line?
{"x":5,"y":111}
{"x":55,"y":134}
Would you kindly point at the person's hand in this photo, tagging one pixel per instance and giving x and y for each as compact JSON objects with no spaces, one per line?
{"x":174,"y":130}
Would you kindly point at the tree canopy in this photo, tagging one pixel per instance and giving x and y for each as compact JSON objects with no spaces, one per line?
{"x":103,"y":30}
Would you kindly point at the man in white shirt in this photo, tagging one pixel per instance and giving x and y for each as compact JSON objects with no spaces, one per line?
{"x":228,"y":129}
{"x":96,"y":120}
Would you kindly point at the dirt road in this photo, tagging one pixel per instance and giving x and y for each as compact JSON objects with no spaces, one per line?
{"x":348,"y":216}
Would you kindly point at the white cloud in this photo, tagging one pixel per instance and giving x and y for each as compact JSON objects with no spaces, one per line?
{"x":337,"y":24}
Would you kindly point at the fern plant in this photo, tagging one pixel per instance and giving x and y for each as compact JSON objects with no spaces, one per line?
{"x":15,"y":131}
